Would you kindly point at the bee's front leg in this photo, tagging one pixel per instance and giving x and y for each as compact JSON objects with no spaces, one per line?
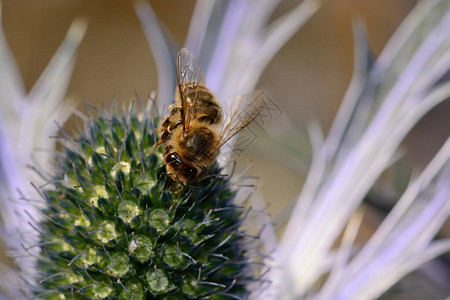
{"x":170,"y":118}
{"x":166,"y":134}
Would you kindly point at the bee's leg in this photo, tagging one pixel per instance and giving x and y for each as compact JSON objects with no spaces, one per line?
{"x":174,"y":109}
{"x":170,"y":118}
{"x":166,"y":134}
{"x":165,"y":124}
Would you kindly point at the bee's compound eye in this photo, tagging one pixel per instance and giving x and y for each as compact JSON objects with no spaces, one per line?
{"x":173,"y":158}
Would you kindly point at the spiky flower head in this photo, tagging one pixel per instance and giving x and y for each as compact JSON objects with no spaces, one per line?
{"x":113,"y":230}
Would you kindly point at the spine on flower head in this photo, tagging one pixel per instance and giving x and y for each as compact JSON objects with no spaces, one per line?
{"x":113,"y":230}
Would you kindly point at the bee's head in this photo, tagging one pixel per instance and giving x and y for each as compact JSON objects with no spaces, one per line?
{"x":179,"y":170}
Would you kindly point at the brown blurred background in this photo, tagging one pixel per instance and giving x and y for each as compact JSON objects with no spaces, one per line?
{"x":307,"y":78}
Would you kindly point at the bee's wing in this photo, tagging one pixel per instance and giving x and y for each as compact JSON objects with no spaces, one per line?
{"x":242,"y":111}
{"x":188,"y":69}
{"x":189,"y":76}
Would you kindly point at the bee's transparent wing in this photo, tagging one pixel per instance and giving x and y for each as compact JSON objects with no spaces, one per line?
{"x":189,"y":76}
{"x":241,"y":111}
{"x":188,"y":68}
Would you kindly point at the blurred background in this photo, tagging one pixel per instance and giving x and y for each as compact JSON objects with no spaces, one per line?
{"x":307,"y":80}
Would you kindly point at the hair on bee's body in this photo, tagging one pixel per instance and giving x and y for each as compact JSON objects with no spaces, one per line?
{"x":196,"y":127}
{"x":198,"y":149}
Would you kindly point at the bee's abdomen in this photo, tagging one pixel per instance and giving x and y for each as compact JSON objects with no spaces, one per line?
{"x":207,"y":108}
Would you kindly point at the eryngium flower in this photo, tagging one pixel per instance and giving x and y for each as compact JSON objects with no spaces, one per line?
{"x":114,"y":230}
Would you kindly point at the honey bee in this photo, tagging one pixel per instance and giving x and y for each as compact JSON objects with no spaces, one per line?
{"x":197,"y":127}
